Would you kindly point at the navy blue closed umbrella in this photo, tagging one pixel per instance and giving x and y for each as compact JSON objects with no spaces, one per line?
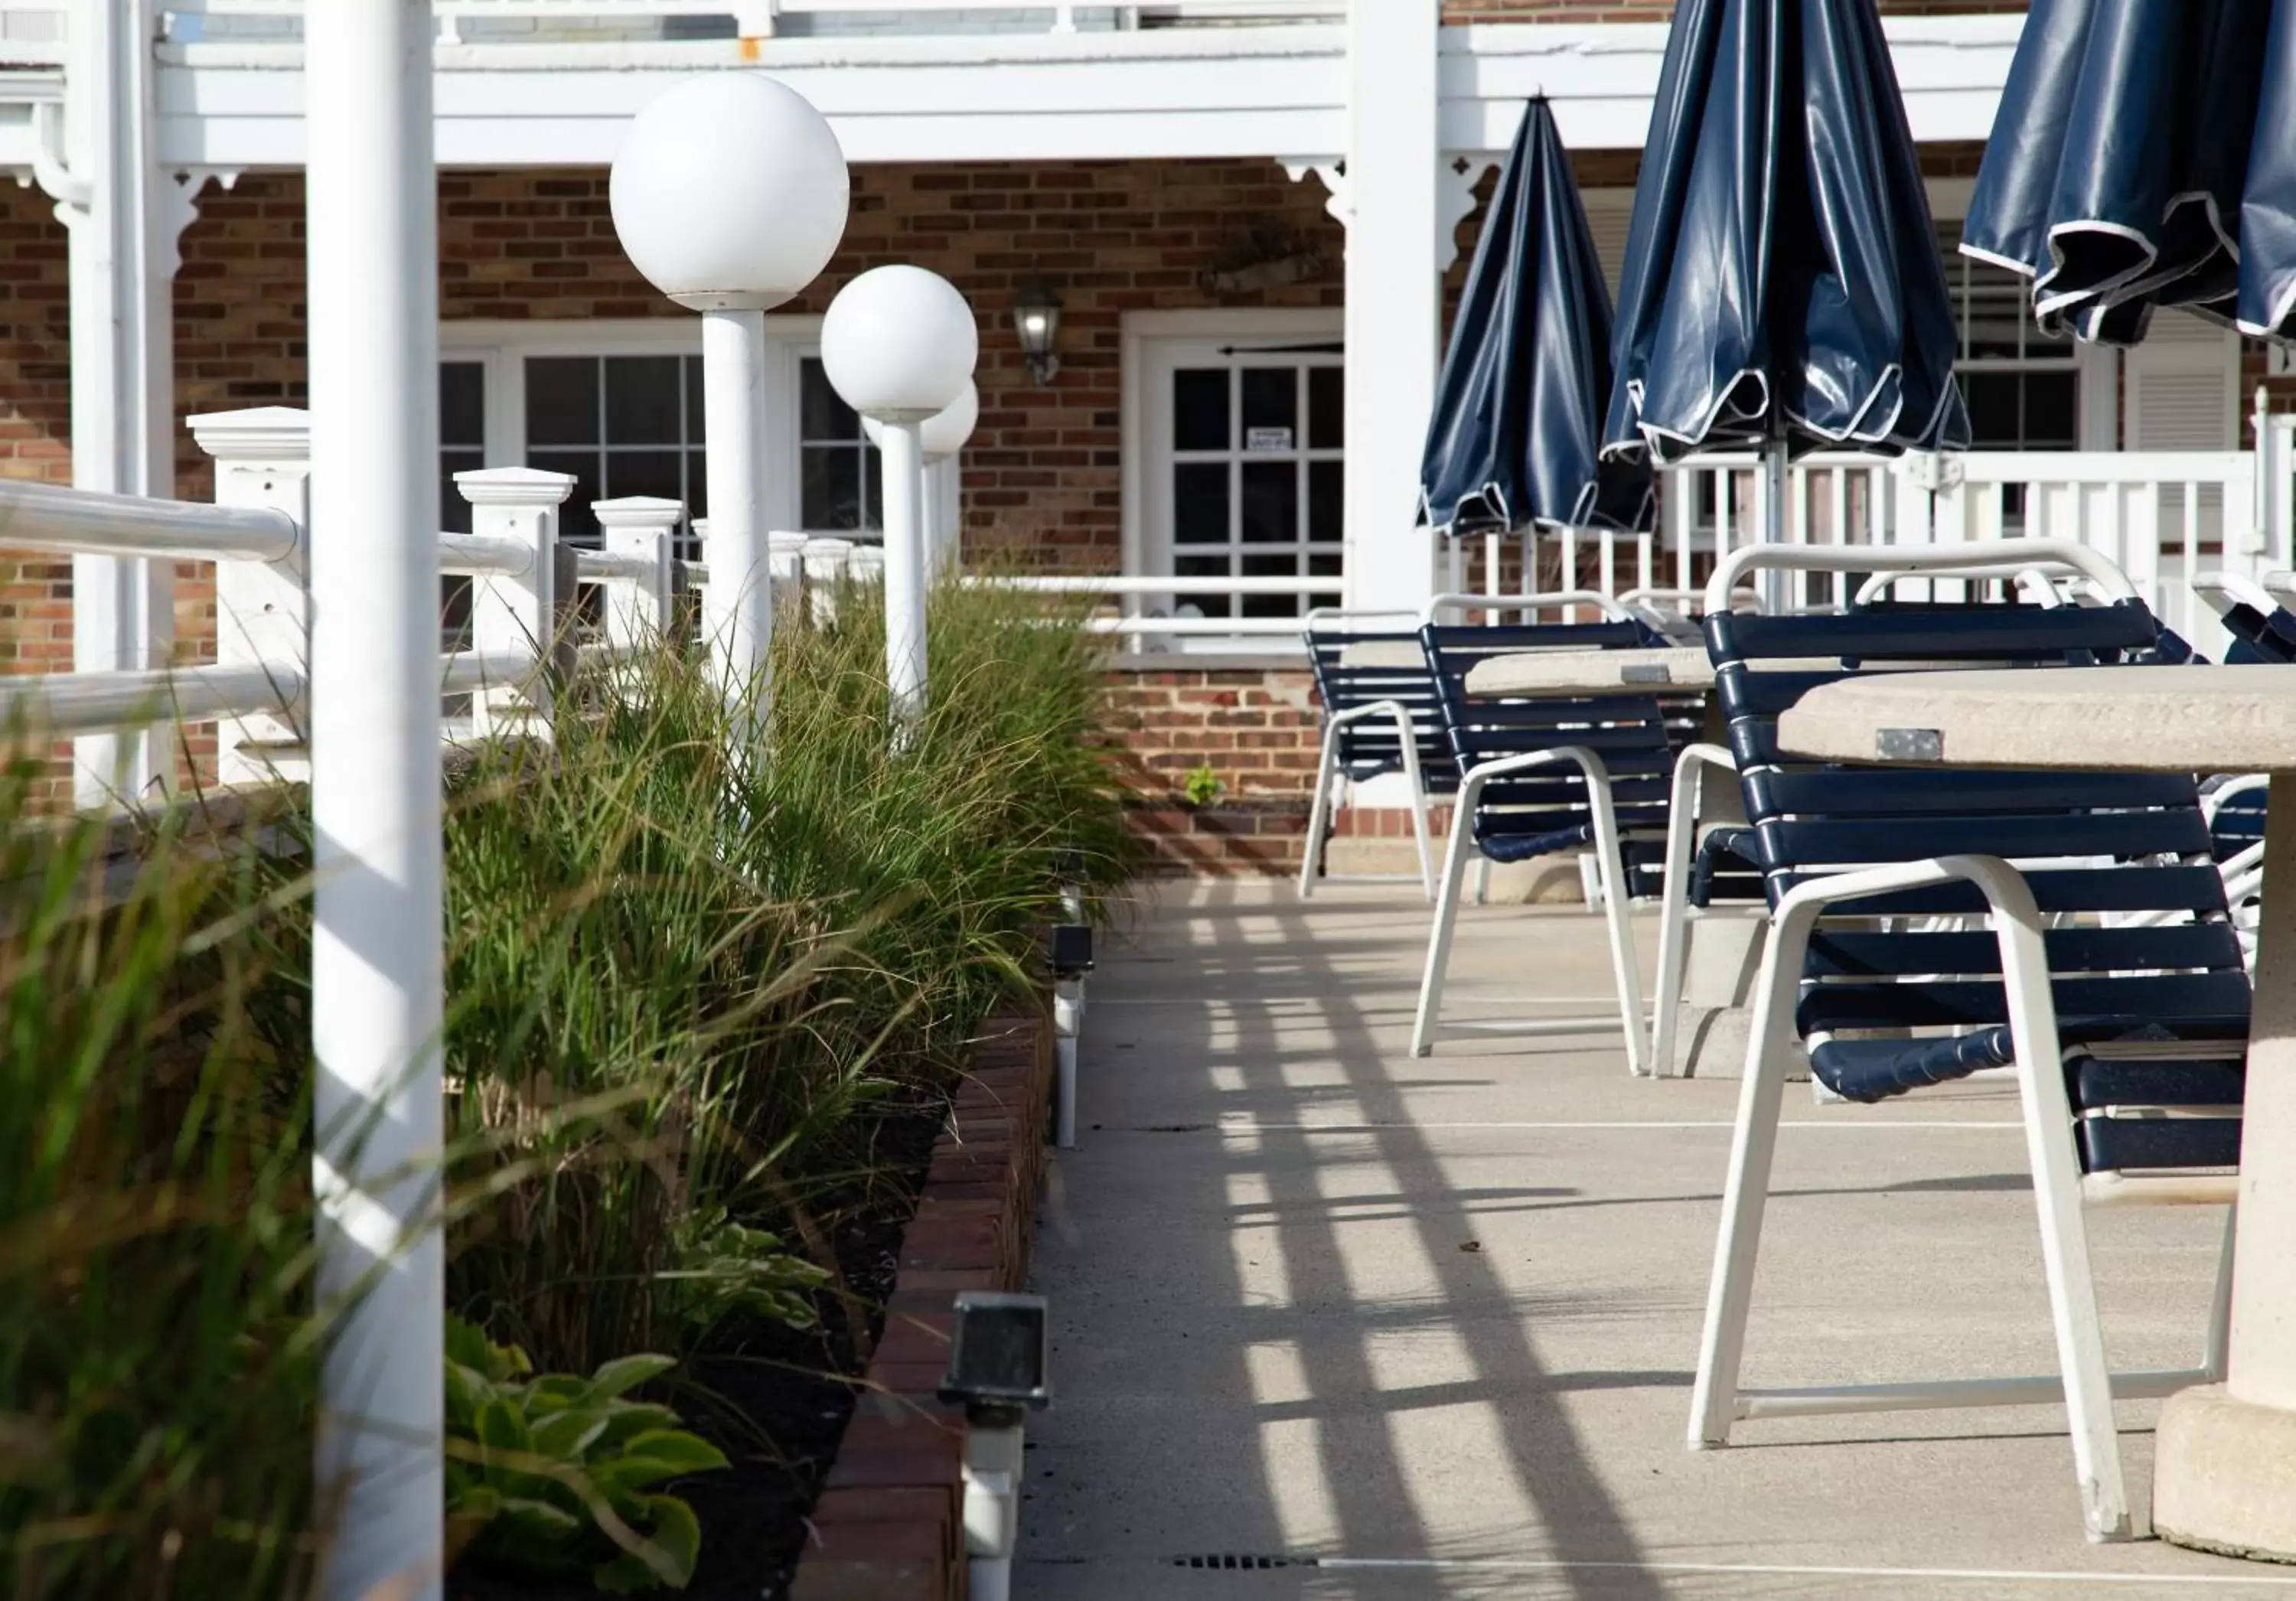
{"x":2267,"y":215}
{"x":1513,"y":440}
{"x":2114,"y":177}
{"x":1782,"y":285}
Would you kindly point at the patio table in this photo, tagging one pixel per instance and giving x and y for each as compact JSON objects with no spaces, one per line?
{"x":2225,"y":1460}
{"x":1383,"y":653}
{"x":1660,"y":670}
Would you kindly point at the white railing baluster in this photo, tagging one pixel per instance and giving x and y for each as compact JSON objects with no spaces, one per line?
{"x":262,"y":459}
{"x":515,"y":615}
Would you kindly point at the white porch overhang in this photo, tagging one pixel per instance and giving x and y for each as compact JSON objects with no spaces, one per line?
{"x":1271,"y":91}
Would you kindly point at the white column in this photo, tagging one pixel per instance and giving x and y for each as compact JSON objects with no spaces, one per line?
{"x":737,"y":608}
{"x":1394,"y":293}
{"x":376,"y":956}
{"x":262,"y":458}
{"x":515,"y":615}
{"x":123,"y":216}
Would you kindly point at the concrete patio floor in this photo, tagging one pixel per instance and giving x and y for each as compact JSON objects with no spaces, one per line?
{"x":1314,"y":1299}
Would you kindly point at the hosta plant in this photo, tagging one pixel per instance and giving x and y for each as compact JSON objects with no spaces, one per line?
{"x":556,"y":1473}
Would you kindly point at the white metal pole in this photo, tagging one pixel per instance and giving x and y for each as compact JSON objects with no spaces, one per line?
{"x":737,"y":607}
{"x":376,"y":958}
{"x":903,"y":452}
{"x":115,"y":202}
{"x":945,"y":495}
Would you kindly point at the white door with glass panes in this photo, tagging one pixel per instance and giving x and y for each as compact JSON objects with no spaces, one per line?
{"x":1242,"y":471}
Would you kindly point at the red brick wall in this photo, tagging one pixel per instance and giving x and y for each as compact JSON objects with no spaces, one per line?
{"x":1042,"y":477}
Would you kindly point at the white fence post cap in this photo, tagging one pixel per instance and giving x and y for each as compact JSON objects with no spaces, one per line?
{"x":260,"y":432}
{"x":514,"y":485}
{"x":637,"y":511}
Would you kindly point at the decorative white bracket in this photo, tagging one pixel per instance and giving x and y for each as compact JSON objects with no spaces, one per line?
{"x":1332,"y":172}
{"x":1455,"y":193}
{"x":1455,"y":201}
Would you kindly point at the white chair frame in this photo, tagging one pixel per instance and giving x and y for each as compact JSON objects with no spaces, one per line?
{"x":1427,"y":1024}
{"x":2086,"y":1385}
{"x":1327,"y":773}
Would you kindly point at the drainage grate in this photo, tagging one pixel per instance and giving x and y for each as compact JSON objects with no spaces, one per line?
{"x":1231,"y":1561}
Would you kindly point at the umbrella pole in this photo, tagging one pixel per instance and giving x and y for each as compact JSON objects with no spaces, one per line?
{"x":1774,"y":520}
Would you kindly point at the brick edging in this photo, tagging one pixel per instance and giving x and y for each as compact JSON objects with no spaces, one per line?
{"x":889,"y":1525}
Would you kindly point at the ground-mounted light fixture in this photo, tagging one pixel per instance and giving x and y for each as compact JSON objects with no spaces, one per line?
{"x":1037,"y":320}
{"x":999,"y":1370}
{"x":1068,"y":954}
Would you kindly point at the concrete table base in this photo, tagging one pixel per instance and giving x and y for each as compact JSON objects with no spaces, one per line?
{"x":2224,"y":1476}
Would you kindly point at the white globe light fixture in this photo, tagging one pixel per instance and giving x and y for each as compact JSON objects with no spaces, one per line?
{"x":943,"y":436}
{"x":730,"y":194}
{"x":898,"y":346}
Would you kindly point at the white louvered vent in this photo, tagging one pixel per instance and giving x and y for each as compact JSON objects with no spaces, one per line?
{"x":2183,"y":386}
{"x":1607,"y":212}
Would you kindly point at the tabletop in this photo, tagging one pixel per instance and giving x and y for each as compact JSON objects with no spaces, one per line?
{"x":1383,"y":653}
{"x":2136,"y":720}
{"x":1579,"y":673}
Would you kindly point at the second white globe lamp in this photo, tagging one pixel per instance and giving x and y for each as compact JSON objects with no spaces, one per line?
{"x":898,"y":346}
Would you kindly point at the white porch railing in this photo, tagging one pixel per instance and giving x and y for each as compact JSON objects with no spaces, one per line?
{"x":257,"y":534}
{"x":559,"y":21}
{"x":2161,"y":516}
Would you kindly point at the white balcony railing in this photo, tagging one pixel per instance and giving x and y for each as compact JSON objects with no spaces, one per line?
{"x":2162,"y":516}
{"x":38,"y":26}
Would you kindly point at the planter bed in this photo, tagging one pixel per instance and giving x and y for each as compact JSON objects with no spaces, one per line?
{"x":858,"y":1480}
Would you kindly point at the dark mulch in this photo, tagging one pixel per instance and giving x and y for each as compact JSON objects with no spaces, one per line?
{"x":775,"y":1399}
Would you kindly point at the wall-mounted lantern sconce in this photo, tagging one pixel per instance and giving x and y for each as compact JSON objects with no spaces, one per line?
{"x":1036,"y":319}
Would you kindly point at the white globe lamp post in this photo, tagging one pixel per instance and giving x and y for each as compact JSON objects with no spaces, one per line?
{"x":899,"y":347}
{"x":942,"y":437}
{"x":730,"y":195}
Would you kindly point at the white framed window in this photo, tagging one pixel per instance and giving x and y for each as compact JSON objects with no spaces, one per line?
{"x":1235,"y":453}
{"x":618,"y":404}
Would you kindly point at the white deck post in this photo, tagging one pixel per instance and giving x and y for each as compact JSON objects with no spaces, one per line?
{"x":1394,"y":294}
{"x":262,"y":458}
{"x":785,"y":555}
{"x":644,"y":528}
{"x":123,"y":215}
{"x":737,"y":608}
{"x":379,"y":914}
{"x":826,"y":560}
{"x":516,"y":613}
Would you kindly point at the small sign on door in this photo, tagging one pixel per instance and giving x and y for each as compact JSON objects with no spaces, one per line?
{"x":1268,"y":438}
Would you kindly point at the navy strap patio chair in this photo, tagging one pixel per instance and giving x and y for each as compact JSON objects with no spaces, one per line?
{"x":1380,"y":717}
{"x":1538,"y":777}
{"x":2110,"y":980}
{"x":1717,"y":874}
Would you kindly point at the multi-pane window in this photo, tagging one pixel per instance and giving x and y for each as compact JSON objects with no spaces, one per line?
{"x":842,"y":484}
{"x":462,"y":449}
{"x":621,"y":425}
{"x":1257,"y":476}
{"x":2023,"y":388}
